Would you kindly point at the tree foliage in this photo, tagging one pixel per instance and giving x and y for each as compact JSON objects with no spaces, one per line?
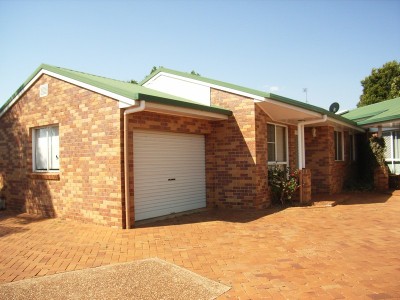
{"x":382,"y":84}
{"x":153,"y":69}
{"x":195,"y":73}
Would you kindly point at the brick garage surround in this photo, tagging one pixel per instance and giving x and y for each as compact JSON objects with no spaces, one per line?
{"x":163,"y":122}
{"x":88,"y":186}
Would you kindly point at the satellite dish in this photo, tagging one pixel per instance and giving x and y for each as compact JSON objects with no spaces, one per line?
{"x":334,"y":107}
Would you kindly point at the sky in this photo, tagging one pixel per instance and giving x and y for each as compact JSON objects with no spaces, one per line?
{"x":281,"y":47}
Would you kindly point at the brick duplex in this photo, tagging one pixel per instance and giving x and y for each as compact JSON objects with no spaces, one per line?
{"x":89,"y":186}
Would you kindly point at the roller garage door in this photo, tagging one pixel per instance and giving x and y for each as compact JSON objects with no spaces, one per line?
{"x":169,"y":173}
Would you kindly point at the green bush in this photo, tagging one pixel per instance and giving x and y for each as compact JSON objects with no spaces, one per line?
{"x":283,"y":182}
{"x":377,"y":145}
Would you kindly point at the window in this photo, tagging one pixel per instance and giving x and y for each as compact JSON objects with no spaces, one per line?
{"x":392,"y":151}
{"x":277,"y":144}
{"x":46,"y":156}
{"x":338,"y":138}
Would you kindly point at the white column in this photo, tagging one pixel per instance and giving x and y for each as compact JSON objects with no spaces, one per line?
{"x":300,"y":145}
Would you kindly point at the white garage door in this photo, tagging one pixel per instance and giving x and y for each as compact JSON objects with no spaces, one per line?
{"x":169,"y":173}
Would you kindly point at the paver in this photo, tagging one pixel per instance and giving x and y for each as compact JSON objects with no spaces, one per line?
{"x":346,"y":251}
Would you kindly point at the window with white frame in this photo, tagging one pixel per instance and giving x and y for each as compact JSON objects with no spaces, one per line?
{"x":46,"y":155}
{"x":277,"y":144}
{"x":338,"y":140}
{"x":392,"y":150}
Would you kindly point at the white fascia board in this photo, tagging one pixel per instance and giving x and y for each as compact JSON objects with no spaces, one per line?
{"x":199,"y":82}
{"x":299,"y":109}
{"x":124,"y":100}
{"x":183,"y":111}
{"x":359,"y":129}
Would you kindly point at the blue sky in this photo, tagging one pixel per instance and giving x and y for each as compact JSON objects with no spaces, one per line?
{"x":327,"y":47}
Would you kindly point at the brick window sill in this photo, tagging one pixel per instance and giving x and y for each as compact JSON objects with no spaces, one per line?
{"x":44,"y":176}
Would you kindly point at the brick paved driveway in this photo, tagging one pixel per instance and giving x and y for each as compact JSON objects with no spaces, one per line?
{"x":348,"y":251}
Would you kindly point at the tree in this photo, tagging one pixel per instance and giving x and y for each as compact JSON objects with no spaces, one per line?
{"x":133,"y":81}
{"x":195,"y":73}
{"x":382,"y":84}
{"x":153,"y":69}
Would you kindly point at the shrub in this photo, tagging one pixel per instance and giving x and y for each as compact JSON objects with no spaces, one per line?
{"x":283,"y":182}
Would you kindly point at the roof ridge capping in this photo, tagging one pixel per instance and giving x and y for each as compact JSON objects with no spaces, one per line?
{"x":251,"y":91}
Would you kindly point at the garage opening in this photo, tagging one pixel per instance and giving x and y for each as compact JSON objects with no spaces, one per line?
{"x":169,"y":173}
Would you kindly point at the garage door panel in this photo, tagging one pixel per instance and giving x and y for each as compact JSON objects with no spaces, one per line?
{"x":169,"y":202}
{"x":167,"y":207}
{"x":145,"y":197}
{"x":167,"y":191}
{"x":159,"y":156}
{"x":165,"y":211}
{"x":148,"y":181}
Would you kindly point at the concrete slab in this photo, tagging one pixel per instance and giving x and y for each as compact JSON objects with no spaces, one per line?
{"x":145,"y":279}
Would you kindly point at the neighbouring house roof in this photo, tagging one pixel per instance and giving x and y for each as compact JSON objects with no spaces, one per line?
{"x":382,"y":112}
{"x":250,"y":91}
{"x":117,"y":87}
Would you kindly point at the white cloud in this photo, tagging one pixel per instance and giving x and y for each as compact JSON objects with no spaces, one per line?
{"x":274,"y":88}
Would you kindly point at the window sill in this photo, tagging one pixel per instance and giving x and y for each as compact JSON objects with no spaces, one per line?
{"x":44,"y":176}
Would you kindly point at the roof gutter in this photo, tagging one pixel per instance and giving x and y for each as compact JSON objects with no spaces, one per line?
{"x":141,"y":107}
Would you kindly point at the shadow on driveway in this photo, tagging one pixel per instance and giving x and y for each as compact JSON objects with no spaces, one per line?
{"x":210,"y":215}
{"x":249,"y":215}
{"x":365,"y":198}
{"x":9,"y":219}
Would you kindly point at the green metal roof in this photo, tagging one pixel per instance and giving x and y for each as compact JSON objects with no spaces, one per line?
{"x":272,"y":96}
{"x":384,"y":111}
{"x":121,"y":88}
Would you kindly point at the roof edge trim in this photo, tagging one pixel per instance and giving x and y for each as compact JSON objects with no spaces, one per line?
{"x":172,"y":102}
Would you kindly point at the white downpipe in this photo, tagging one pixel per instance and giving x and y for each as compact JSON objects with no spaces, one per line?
{"x":300,"y":145}
{"x":128,"y":111}
{"x":300,"y":135}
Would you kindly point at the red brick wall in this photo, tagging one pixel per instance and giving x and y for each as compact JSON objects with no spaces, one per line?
{"x":235,"y":151}
{"x":161,"y":122}
{"x":262,"y":191}
{"x":240,"y":149}
{"x":328,"y":176}
{"x":88,"y":186}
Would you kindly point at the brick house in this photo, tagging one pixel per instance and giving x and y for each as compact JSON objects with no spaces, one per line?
{"x":84,"y":147}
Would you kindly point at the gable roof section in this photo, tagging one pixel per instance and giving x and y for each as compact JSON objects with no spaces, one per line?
{"x":384,"y":111}
{"x":116,"y":89}
{"x":250,"y":92}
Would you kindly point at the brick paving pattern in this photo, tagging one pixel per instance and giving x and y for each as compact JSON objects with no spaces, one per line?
{"x":350,"y":251}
